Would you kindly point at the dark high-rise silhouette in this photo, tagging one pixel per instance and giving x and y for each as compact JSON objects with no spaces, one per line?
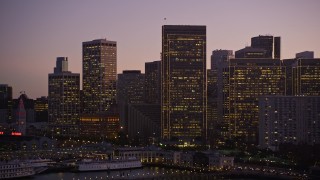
{"x":130,"y":90}
{"x":41,"y":109}
{"x":5,"y":103}
{"x":61,"y":65}
{"x":219,"y":61}
{"x":153,"y":82}
{"x":269,"y":43}
{"x":183,"y":76}
{"x":144,"y":121}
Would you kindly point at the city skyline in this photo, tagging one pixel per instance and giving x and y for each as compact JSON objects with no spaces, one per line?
{"x":34,"y":33}
{"x":214,"y":89}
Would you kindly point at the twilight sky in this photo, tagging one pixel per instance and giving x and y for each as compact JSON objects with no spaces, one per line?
{"x":34,"y":32}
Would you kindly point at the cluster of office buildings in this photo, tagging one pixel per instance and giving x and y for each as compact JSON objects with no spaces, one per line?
{"x":22,"y":115}
{"x":251,"y":97}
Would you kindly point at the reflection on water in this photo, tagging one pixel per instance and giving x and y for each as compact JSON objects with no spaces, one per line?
{"x":143,"y":173}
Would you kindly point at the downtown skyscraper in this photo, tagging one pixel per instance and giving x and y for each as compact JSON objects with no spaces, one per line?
{"x":63,"y":100}
{"x":152,"y":82}
{"x":215,"y":81}
{"x":183,"y":77}
{"x":271,"y":44}
{"x":130,"y":90}
{"x":99,"y":75}
{"x":248,"y":80}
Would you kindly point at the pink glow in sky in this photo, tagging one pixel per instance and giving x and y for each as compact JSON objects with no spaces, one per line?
{"x":34,"y":32}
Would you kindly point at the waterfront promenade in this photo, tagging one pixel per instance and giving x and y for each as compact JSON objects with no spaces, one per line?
{"x":158,"y":173}
{"x":66,"y":158}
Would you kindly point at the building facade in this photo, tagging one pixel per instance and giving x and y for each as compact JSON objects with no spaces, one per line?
{"x":5,"y":103}
{"x":63,"y":102}
{"x":130,"y":90}
{"x":104,"y":125}
{"x":41,"y":109}
{"x":250,"y":52}
{"x":269,"y":43}
{"x":183,"y":77}
{"x":250,"y":79}
{"x":303,"y":76}
{"x":99,"y":68}
{"x":144,"y":122}
{"x":153,"y":82}
{"x":289,"y":120}
{"x":216,"y":80}
{"x":212,"y":109}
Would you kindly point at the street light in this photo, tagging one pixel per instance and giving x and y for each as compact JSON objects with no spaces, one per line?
{"x":154,"y":134}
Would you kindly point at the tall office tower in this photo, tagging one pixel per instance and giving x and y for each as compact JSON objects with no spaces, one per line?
{"x":41,"y":109}
{"x":99,"y":75}
{"x":219,"y":61}
{"x":130,"y":90}
{"x":63,"y":101}
{"x":153,"y":82}
{"x":305,"y":55}
{"x":212,"y":103}
{"x":183,"y":77}
{"x":28,"y":105}
{"x":21,"y":118}
{"x":5,"y":103}
{"x":269,"y":43}
{"x":250,"y":52}
{"x":248,"y":80}
{"x":303,"y":76}
{"x":289,"y":120}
